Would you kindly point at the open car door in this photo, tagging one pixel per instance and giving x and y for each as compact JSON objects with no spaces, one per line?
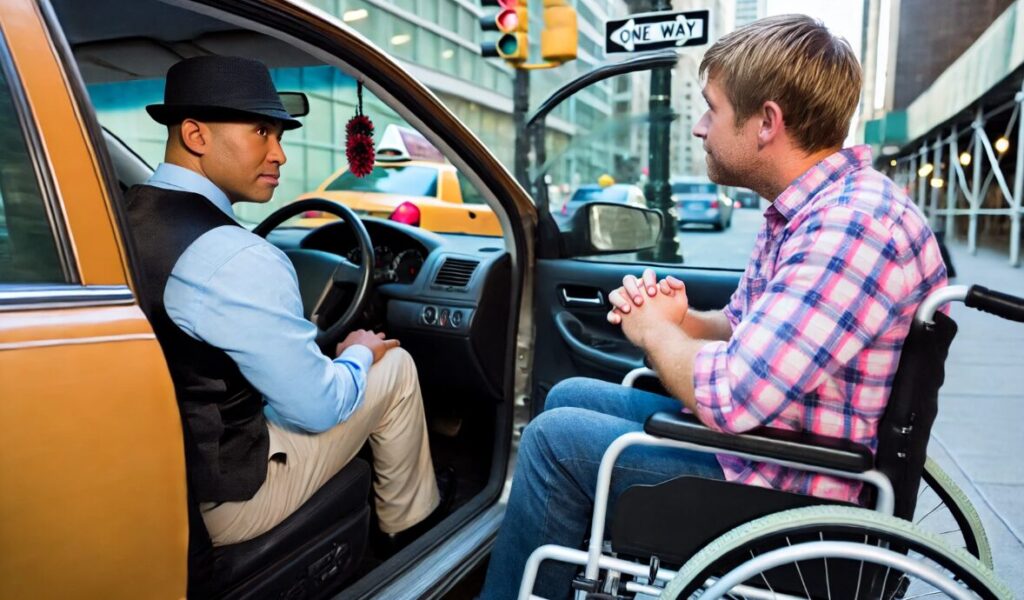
{"x":586,"y":248}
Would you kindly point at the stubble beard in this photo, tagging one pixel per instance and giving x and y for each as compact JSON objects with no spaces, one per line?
{"x":725,"y":176}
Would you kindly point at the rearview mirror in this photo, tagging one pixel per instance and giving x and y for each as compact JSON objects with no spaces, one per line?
{"x":295,"y":103}
{"x":609,"y":228}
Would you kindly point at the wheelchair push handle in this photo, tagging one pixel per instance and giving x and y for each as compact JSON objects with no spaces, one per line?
{"x":1000,"y":304}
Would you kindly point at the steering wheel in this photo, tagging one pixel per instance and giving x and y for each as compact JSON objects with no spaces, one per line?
{"x":325,"y":278}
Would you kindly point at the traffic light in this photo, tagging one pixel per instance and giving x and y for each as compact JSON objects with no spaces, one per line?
{"x":559,"y":38}
{"x":512,"y":21}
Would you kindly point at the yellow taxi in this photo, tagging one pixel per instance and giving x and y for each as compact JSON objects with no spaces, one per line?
{"x":95,"y":498}
{"x":410,"y":183}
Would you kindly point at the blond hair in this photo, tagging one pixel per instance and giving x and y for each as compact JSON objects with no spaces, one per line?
{"x":796,"y":62}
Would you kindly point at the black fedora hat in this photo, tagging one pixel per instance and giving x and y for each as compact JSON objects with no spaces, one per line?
{"x":223,"y":88}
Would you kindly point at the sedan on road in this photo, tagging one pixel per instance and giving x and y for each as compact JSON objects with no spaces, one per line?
{"x":701,"y":201}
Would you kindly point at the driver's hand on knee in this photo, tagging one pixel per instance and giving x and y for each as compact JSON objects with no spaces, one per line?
{"x":376,"y":342}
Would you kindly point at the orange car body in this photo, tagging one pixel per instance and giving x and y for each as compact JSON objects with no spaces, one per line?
{"x":92,"y":468}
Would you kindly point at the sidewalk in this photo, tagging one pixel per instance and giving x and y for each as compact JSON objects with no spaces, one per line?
{"x":978,"y":435}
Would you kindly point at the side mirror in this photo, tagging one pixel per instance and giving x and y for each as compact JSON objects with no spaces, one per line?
{"x":609,"y":228}
{"x":295,"y":103}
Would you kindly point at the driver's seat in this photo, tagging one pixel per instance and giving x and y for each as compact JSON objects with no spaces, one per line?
{"x":315,"y":549}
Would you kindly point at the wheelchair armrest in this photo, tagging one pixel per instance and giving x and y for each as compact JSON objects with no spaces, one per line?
{"x":792,"y":446}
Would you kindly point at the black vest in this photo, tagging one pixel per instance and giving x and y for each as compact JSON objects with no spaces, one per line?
{"x":226,"y":439}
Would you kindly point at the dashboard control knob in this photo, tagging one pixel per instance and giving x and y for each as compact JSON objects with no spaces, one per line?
{"x":442,"y":320}
{"x":456,"y":319}
{"x":429,"y":315}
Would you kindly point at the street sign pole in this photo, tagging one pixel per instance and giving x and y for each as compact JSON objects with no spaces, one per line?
{"x":645,"y":32}
{"x":520,"y":106}
{"x":657,"y":190}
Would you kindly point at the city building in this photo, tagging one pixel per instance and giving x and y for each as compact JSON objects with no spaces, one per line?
{"x":950,"y":136}
{"x":907,"y":44}
{"x":687,"y":152}
{"x":748,"y":11}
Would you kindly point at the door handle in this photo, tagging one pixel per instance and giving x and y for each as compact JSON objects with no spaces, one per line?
{"x":571,"y":330}
{"x":596,"y":300}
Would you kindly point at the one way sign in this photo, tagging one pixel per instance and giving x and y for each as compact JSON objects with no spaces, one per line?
{"x":653,"y":31}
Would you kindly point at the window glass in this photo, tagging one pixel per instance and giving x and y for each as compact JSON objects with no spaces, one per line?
{"x":449,"y":56}
{"x":468,"y":25}
{"x":406,"y":166}
{"x":426,"y":49}
{"x":402,"y":43}
{"x":607,"y":159}
{"x":428,"y":10}
{"x":470,"y":194}
{"x":28,"y":252}
{"x":598,"y":194}
{"x":694,"y":188}
{"x":410,"y":181}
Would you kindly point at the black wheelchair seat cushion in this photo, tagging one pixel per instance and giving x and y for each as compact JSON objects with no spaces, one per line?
{"x":333,"y":522}
{"x":675,"y":519}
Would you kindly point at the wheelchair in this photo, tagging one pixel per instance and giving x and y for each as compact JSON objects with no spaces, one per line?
{"x":920,"y":537}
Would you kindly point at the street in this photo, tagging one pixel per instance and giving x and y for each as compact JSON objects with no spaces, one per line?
{"x":702,"y":246}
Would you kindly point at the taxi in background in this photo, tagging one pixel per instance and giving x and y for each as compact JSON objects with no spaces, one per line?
{"x":411,"y":183}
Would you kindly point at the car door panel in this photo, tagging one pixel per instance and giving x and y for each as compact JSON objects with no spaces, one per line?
{"x":574,"y":337}
{"x":92,"y":467}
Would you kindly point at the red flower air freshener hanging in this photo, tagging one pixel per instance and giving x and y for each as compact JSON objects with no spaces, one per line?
{"x":359,"y":139}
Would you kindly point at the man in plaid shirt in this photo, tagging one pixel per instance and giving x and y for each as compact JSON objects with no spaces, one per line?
{"x":813,"y":333}
{"x":810,"y":340}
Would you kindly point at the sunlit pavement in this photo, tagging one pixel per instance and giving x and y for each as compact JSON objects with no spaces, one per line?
{"x":977,"y":436}
{"x":704,"y":247}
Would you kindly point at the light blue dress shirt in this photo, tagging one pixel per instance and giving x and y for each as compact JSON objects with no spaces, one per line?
{"x":236,"y":291}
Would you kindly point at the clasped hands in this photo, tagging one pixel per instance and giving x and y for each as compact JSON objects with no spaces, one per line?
{"x":643,"y":306}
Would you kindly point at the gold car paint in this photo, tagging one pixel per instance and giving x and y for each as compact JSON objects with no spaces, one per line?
{"x":91,"y":453}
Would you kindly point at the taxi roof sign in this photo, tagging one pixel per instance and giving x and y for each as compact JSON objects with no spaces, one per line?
{"x":402,"y":143}
{"x":654,"y":31}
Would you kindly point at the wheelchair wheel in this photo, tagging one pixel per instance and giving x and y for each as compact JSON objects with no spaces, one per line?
{"x":834,"y":577}
{"x":943,"y":509}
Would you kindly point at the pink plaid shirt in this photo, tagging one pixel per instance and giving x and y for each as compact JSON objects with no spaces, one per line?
{"x":840,"y":266}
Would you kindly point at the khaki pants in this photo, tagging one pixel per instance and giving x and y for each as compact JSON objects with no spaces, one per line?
{"x":391,"y":417}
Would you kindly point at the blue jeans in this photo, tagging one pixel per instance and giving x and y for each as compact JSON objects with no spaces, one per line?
{"x":552,"y":495}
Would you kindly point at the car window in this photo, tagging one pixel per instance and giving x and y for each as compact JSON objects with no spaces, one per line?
{"x":316,"y":152}
{"x":709,"y":231}
{"x":28,"y":251}
{"x":694,"y":188}
{"x":470,"y":193}
{"x":411,"y":181}
{"x":599,"y":195}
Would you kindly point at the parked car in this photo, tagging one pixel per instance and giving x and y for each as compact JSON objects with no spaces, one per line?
{"x":410,"y":183}
{"x":745,"y":198}
{"x":619,"y":193}
{"x":701,"y":201}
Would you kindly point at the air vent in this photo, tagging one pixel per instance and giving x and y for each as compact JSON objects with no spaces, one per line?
{"x":455,"y":272}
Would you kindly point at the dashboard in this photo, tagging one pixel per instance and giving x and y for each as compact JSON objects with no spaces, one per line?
{"x":445,"y":296}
